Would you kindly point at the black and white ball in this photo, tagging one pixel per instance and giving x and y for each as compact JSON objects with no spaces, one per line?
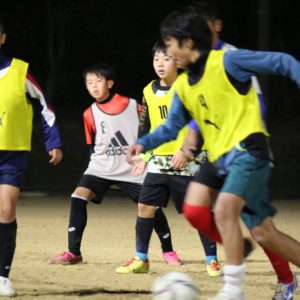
{"x":174,"y":286}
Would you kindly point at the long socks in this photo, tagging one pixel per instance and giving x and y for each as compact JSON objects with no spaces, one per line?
{"x":144,"y":228}
{"x":162,"y":229}
{"x":8,"y":235}
{"x":210,"y":248}
{"x":77,"y":223}
{"x":202,"y":218}
{"x":281,"y":267}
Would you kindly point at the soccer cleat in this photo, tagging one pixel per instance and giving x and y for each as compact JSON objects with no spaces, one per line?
{"x":65,"y":258}
{"x":171,"y":258}
{"x":135,"y":265}
{"x":286,"y":291}
{"x":6,"y":288}
{"x":224,"y":295}
{"x":214,"y":268}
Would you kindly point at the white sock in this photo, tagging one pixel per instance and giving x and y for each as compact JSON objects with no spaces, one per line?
{"x":234,"y":277}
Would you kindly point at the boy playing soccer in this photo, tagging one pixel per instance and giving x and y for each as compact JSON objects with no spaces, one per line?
{"x":16,"y":115}
{"x":111,"y":124}
{"x":286,"y":280}
{"x":162,"y":179}
{"x":216,"y":92}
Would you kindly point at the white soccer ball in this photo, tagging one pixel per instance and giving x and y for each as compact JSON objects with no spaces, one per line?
{"x":174,"y":286}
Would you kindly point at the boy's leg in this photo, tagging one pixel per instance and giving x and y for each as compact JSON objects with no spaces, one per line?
{"x":78,"y":216}
{"x":144,"y":228}
{"x":77,"y":224}
{"x":179,"y":187}
{"x":227,"y":212}
{"x":269,"y":237}
{"x":210,"y":248}
{"x":162,"y":229}
{"x":153,"y":189}
{"x":8,"y":231}
{"x":197,"y":210}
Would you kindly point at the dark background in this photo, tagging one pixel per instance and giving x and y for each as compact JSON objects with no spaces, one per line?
{"x":61,"y":37}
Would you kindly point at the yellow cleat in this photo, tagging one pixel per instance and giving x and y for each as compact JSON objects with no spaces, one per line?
{"x":214,"y":269}
{"x":135,"y":265}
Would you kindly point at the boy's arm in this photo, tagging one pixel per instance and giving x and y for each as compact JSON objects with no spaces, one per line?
{"x":48,"y":119}
{"x":178,"y":117}
{"x":242,"y":64}
{"x":52,"y":136}
{"x":144,"y":122}
{"x":89,"y":129}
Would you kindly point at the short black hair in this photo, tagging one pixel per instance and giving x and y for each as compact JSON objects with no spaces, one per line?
{"x":209,"y":9}
{"x":100,"y":69}
{"x":159,"y":46}
{"x":187,"y":24}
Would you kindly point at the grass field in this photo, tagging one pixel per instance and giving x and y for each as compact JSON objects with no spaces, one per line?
{"x":109,"y":241}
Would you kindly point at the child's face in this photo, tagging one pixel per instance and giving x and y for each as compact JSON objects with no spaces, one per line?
{"x":164,"y":66}
{"x":98,"y":86}
{"x":181,"y":54}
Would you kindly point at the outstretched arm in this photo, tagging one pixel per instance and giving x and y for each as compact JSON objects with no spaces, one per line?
{"x":242,"y":64}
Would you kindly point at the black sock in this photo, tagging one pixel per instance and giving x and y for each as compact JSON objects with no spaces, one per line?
{"x":8,"y":235}
{"x":163,"y":231}
{"x":143,"y":230}
{"x":209,"y":246}
{"x":77,"y":223}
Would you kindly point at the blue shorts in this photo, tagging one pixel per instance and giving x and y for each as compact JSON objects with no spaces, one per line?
{"x":247,"y":176}
{"x":12,"y":177}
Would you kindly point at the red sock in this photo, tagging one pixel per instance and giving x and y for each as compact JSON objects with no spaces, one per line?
{"x":281,"y":267}
{"x":202,"y":218}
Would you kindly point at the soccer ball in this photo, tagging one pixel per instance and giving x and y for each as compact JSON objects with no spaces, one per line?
{"x":174,"y":286}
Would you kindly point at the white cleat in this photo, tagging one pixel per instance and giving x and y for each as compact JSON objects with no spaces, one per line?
{"x":6,"y":288}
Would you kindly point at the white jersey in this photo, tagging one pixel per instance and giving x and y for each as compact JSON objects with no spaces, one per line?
{"x":114,"y":134}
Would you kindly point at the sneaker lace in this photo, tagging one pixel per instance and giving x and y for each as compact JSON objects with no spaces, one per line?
{"x":214,"y":265}
{"x":128,"y":263}
{"x":280,"y":291}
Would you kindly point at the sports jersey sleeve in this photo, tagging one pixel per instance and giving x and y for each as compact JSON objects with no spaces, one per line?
{"x":48,"y":119}
{"x":193,"y":125}
{"x":243,"y":64}
{"x":89,"y":126}
{"x":178,"y":117}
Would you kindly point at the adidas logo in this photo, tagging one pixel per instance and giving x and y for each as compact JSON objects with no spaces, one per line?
{"x":118,"y":145}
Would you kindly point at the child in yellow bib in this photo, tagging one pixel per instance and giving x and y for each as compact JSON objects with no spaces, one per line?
{"x":169,"y":171}
{"x":238,"y":149}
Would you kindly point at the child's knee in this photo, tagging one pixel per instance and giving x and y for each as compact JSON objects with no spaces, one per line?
{"x":146,"y":211}
{"x":200,"y":217}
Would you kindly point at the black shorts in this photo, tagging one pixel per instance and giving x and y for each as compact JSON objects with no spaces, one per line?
{"x":208,"y":175}
{"x":158,"y":188}
{"x":100,"y":186}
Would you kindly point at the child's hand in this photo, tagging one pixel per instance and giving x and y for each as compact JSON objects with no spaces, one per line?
{"x":139,"y":165}
{"x":56,"y":156}
{"x":179,"y":160}
{"x":133,"y":150}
